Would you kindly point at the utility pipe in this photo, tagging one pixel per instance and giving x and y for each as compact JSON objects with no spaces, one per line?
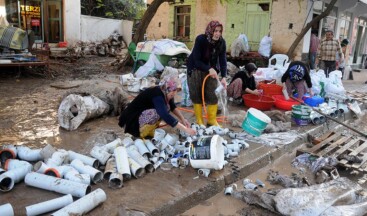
{"x":116,"y":180}
{"x":142,"y":148}
{"x":100,"y":154}
{"x":68,"y":173}
{"x":47,"y":152}
{"x":134,"y":154}
{"x":85,"y":159}
{"x":110,"y":168}
{"x":109,"y":147}
{"x":8,"y":152}
{"x":204,"y":172}
{"x":27,"y":154}
{"x":14,"y":163}
{"x":57,"y":158}
{"x":50,"y":205}
{"x":58,"y":185}
{"x":14,"y":174}
{"x":136,"y":169}
{"x":122,"y":162}
{"x":7,"y":209}
{"x":151,"y":147}
{"x":83,"y":205}
{"x":40,"y":167}
{"x":95,"y":175}
{"x":6,"y":183}
{"x":127,"y":141}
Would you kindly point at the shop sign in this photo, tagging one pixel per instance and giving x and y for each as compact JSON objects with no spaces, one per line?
{"x":35,"y":22}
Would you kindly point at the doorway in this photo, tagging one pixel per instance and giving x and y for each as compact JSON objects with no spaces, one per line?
{"x":53,"y":21}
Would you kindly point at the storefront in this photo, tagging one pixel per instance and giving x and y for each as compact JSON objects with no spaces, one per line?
{"x":43,"y":17}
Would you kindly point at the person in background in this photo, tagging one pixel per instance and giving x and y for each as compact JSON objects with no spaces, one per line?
{"x":295,"y":78}
{"x":243,"y":82}
{"x":327,"y":51}
{"x":208,"y":57}
{"x":343,"y":45}
{"x":314,"y":44}
{"x":144,"y":114}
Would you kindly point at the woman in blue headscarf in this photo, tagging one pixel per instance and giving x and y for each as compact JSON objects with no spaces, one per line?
{"x":208,"y":57}
{"x":143,"y":115}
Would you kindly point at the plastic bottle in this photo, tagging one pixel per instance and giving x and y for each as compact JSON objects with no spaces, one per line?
{"x":285,"y":93}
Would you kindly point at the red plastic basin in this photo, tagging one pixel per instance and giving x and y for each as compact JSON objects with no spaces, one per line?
{"x":258,"y":102}
{"x":282,"y":103}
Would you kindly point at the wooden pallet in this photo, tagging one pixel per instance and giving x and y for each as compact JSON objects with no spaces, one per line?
{"x":337,"y":145}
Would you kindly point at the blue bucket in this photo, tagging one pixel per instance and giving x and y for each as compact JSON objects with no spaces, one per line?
{"x":255,"y":122}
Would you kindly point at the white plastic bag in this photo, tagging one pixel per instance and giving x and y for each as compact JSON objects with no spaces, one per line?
{"x":265,"y":46}
{"x":152,"y":65}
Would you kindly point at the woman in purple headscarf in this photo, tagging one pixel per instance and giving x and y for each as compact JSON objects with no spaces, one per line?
{"x":143,"y":115}
{"x":208,"y":57}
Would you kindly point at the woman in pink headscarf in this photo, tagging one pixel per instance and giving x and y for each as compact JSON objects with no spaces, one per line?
{"x":143,"y":115}
{"x":208,"y":57}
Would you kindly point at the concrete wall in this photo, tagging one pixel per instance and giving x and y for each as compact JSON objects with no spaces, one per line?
{"x":72,"y":12}
{"x":97,"y":29}
{"x":2,"y":8}
{"x":284,"y":14}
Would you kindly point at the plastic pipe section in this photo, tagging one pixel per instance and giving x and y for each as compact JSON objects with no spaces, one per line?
{"x":110,"y":147}
{"x":83,"y":205}
{"x":85,"y":159}
{"x":58,"y":185}
{"x":122,"y":162}
{"x":50,"y":205}
{"x":95,"y":175}
{"x":58,"y":158}
{"x":68,"y":173}
{"x":8,"y":152}
{"x":17,"y":170}
{"x":115,"y":179}
{"x":27,"y":154}
{"x":134,"y":154}
{"x":7,"y":209}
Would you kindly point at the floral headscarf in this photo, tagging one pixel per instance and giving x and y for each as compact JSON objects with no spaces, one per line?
{"x":210,"y":28}
{"x":170,"y":83}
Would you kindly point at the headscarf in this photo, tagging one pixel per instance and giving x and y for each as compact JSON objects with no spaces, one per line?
{"x":170,"y":83}
{"x":210,"y":28}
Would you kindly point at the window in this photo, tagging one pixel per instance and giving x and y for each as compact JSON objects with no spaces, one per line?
{"x":182,"y":22}
{"x":345,"y":21}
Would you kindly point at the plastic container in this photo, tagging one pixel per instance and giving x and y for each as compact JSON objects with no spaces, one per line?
{"x":314,"y":101}
{"x":255,"y":122}
{"x":258,"y":102}
{"x":207,"y":153}
{"x":271,"y":89}
{"x":282,"y":103}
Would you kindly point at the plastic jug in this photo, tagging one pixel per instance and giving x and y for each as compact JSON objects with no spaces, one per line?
{"x":207,"y":152}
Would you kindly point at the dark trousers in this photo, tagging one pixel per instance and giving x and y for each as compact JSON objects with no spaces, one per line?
{"x":328,"y":66}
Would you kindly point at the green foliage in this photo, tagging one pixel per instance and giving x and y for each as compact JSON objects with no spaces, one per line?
{"x":116,"y":9}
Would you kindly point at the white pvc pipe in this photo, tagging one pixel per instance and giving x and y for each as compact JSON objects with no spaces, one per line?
{"x":85,"y":159}
{"x":14,"y":163}
{"x":40,"y":167}
{"x":47,"y":152}
{"x":6,"y":209}
{"x":109,"y":147}
{"x":50,"y":205}
{"x":14,"y":175}
{"x":83,"y":205}
{"x":95,"y":175}
{"x":75,"y":176}
{"x":127,"y":141}
{"x":110,"y":168}
{"x":115,"y":181}
{"x":8,"y":152}
{"x":142,"y":148}
{"x":134,"y":154}
{"x":27,"y":154}
{"x":56,"y":184}
{"x":100,"y":154}
{"x":151,"y":147}
{"x":136,"y":169}
{"x":6,"y":183}
{"x":58,"y":172}
{"x":58,"y":158}
{"x":122,"y":162}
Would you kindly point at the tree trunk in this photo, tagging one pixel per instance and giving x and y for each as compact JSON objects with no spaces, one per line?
{"x":308,"y":26}
{"x":140,"y":31}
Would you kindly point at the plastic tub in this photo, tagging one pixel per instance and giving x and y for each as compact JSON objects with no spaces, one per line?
{"x":255,"y":122}
{"x":282,"y":103}
{"x":270,"y":89}
{"x":314,"y":101}
{"x":258,"y":102}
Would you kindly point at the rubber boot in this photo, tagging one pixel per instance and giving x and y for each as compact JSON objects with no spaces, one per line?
{"x":198,"y":110}
{"x":212,"y":115}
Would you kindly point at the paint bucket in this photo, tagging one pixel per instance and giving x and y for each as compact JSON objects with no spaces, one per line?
{"x":255,"y":122}
{"x":301,"y":114}
{"x":207,"y":152}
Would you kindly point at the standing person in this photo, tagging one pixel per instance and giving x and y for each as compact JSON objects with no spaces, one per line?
{"x":314,"y":44}
{"x":343,"y":45}
{"x":327,"y":51}
{"x":208,"y":57}
{"x":143,"y":115}
{"x":295,"y":78}
{"x":243,"y":82}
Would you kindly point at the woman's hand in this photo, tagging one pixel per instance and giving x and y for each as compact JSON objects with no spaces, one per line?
{"x":190,"y":131}
{"x":256,"y":92}
{"x":213,"y":73}
{"x":224,"y":82}
{"x":186,"y":123}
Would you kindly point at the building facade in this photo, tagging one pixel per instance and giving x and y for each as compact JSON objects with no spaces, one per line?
{"x":282,"y":20}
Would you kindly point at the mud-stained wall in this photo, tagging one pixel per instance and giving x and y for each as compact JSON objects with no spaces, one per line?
{"x":202,"y":12}
{"x":287,"y":20}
